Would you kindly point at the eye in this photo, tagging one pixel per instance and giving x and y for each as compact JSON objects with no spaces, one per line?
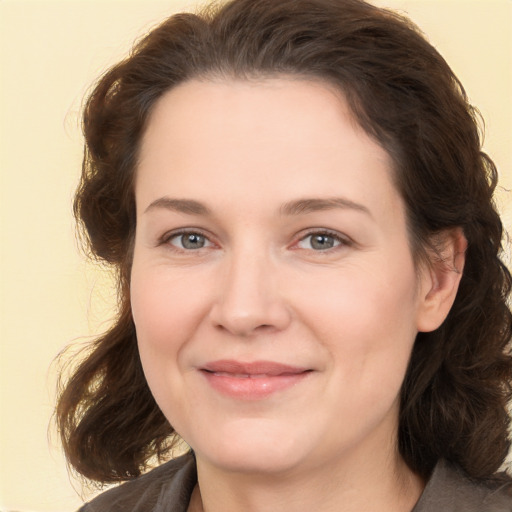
{"x":321,"y":241}
{"x":189,"y":241}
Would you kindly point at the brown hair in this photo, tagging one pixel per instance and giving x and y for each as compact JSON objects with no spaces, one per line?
{"x":402,"y":92}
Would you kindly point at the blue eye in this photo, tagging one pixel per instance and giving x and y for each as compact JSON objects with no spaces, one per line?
{"x":319,"y":241}
{"x":189,"y":241}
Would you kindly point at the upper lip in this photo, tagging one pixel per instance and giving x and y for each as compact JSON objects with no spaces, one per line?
{"x":252,"y":368}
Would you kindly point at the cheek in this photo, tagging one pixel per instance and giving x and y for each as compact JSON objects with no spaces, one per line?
{"x":366,"y":319}
{"x":360,"y":299}
{"x":154,"y":311}
{"x":166,"y":310}
{"x":165,"y":305}
{"x":165,"y":314}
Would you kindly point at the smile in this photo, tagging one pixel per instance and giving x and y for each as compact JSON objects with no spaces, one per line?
{"x":252,"y":381}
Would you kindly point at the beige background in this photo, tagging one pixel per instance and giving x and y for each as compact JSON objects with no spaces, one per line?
{"x":50,"y":52}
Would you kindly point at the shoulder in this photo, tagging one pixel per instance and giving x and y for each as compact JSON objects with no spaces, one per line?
{"x":450,"y":490}
{"x":166,"y":488}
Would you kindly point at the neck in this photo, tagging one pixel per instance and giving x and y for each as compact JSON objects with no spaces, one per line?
{"x":385,"y":484}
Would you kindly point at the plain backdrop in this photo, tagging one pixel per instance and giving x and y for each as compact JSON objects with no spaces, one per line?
{"x":50,"y":296}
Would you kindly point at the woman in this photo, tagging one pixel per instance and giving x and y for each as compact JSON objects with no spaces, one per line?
{"x":295,"y":199}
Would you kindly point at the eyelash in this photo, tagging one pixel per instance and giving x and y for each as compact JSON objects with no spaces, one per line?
{"x":166,"y":239}
{"x":340,"y":240}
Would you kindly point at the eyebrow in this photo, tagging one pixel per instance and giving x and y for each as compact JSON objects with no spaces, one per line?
{"x":303,"y":206}
{"x":297,"y":207}
{"x":187,"y":206}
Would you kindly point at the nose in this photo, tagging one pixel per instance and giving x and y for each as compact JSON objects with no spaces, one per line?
{"x":249,"y":300}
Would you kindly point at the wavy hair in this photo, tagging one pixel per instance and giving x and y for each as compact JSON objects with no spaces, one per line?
{"x":402,"y":92}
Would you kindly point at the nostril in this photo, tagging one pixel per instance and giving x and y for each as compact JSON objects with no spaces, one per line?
{"x":265,"y":327}
{"x":244,"y":314}
{"x":241,"y":330}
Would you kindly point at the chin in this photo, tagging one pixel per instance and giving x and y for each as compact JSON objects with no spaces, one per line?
{"x":260,"y":449}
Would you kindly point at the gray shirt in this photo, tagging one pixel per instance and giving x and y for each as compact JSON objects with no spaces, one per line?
{"x":168,"y":489}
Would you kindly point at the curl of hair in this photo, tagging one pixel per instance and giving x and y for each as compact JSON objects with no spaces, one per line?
{"x":458,"y":384}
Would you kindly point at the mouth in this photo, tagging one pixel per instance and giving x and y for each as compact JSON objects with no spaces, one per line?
{"x":252,"y":381}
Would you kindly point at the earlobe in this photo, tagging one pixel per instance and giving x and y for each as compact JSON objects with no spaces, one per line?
{"x":440,"y":278}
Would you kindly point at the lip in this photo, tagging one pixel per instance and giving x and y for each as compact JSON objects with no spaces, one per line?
{"x":252,"y":380}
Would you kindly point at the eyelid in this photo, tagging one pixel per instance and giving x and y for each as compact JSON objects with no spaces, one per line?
{"x":169,"y":235}
{"x":345,"y":241}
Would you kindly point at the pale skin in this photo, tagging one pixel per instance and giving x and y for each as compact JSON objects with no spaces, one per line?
{"x":269,"y":229}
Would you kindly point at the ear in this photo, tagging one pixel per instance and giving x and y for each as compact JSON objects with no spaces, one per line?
{"x":440,"y":278}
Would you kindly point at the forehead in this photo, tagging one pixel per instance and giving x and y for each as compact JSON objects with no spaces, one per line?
{"x":284,"y":137}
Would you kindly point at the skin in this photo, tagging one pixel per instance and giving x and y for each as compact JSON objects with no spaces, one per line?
{"x":262,"y":162}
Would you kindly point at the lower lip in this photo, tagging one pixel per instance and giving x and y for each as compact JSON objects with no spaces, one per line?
{"x":254,"y":387}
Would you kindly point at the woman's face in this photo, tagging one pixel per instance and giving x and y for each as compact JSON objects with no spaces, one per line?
{"x":273,"y":289}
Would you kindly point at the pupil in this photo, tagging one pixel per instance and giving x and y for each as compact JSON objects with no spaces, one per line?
{"x":322,"y":242}
{"x":192,"y":241}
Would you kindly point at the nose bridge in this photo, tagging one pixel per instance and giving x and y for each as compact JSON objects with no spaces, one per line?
{"x":249,"y":298}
